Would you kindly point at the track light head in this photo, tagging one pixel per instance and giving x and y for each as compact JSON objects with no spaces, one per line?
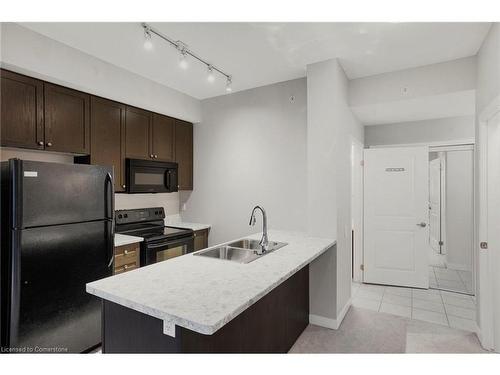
{"x":148,"y":43}
{"x":229,"y":82}
{"x":183,"y":63}
{"x":211,"y":75}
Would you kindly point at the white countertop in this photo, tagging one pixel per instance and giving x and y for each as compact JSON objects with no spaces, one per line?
{"x":176,"y":221}
{"x":125,"y":239}
{"x":203,"y":294}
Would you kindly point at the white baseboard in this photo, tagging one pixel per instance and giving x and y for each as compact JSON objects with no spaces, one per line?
{"x":321,"y":321}
{"x":486,"y":344}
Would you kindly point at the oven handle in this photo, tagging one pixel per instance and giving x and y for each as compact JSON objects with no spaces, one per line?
{"x":172,"y":243}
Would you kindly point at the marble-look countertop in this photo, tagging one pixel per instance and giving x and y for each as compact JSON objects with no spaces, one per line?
{"x":176,"y":221}
{"x":125,"y":239}
{"x":202,"y":293}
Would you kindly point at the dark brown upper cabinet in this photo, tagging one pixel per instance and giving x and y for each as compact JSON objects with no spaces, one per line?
{"x":21,"y":115}
{"x":163,"y":138}
{"x":184,"y":153}
{"x":107,"y":145}
{"x":137,"y":133}
{"x":67,"y":120}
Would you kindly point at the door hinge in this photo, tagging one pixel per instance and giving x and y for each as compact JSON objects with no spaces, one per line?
{"x":362,"y":267}
{"x":362,"y":163}
{"x":441,"y":243}
{"x":483,"y":245}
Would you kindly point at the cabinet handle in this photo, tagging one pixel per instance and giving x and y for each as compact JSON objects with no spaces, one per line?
{"x":151,"y":156}
{"x":156,"y":156}
{"x":123,"y":186}
{"x":49,"y":144}
{"x":40,"y":143}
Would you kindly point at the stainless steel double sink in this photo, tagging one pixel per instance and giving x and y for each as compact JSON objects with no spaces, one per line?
{"x":241,"y":251}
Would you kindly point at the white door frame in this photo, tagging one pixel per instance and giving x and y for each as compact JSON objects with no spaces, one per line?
{"x":357,"y":217}
{"x":484,"y":262}
{"x":442,"y":202}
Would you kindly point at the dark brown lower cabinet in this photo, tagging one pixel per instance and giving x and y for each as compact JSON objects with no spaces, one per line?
{"x":200,"y":239}
{"x":270,"y":325}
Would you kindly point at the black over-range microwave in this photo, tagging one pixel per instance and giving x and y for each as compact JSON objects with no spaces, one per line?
{"x":147,"y":176}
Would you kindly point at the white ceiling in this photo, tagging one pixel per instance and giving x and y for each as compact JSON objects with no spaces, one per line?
{"x":258,"y":54}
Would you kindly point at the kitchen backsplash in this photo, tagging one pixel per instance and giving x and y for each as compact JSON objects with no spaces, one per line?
{"x":169,"y":201}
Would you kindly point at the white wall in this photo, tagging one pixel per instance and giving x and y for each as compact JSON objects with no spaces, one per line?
{"x":488,"y":69}
{"x":33,"y":54}
{"x":428,"y":92}
{"x":330,"y":128}
{"x":488,"y":89}
{"x":429,"y":80}
{"x":426,"y":131}
{"x":459,"y":209}
{"x":250,"y":149}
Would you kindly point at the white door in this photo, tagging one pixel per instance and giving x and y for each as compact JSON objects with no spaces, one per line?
{"x":435,"y":204}
{"x":395,"y":216}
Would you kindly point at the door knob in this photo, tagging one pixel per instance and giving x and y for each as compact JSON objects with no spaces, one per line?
{"x":123,"y":186}
{"x":422,"y":224}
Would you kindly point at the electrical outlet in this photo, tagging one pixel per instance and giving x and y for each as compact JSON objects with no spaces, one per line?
{"x":183,"y":207}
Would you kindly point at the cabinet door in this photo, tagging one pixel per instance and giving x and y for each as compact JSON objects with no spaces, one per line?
{"x":21,"y":115}
{"x":137,"y":134}
{"x":107,"y":123}
{"x":162,"y":137}
{"x":67,"y":120}
{"x":184,"y":153}
{"x":200,"y":239}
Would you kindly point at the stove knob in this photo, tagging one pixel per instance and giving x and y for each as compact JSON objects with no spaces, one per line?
{"x":125,"y":216}
{"x":120,"y":216}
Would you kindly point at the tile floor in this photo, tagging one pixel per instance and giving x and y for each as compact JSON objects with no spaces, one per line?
{"x":453,"y":280}
{"x":450,"y":309}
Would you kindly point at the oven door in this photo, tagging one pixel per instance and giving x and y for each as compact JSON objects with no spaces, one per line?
{"x":145,"y":176}
{"x":155,"y":252}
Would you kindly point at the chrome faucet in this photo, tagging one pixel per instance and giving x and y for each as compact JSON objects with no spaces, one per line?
{"x":264,"y":242}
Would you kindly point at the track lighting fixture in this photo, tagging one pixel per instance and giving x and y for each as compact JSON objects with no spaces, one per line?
{"x":185,"y":52}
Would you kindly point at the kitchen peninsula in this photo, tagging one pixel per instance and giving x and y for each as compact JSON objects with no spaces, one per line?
{"x":201,"y":304}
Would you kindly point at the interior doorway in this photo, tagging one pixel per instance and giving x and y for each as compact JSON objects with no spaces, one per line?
{"x":451,"y":219}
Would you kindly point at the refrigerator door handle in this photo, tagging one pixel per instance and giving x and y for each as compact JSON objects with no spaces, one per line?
{"x":109,"y":201}
{"x":109,"y":196}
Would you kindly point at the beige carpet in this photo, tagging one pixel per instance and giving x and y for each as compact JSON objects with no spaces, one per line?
{"x":366,"y":331}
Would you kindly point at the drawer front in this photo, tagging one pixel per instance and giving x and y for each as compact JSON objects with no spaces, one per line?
{"x":126,"y":267}
{"x":126,"y":258}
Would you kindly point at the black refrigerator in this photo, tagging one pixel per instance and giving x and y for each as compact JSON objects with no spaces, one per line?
{"x":57,"y":225}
